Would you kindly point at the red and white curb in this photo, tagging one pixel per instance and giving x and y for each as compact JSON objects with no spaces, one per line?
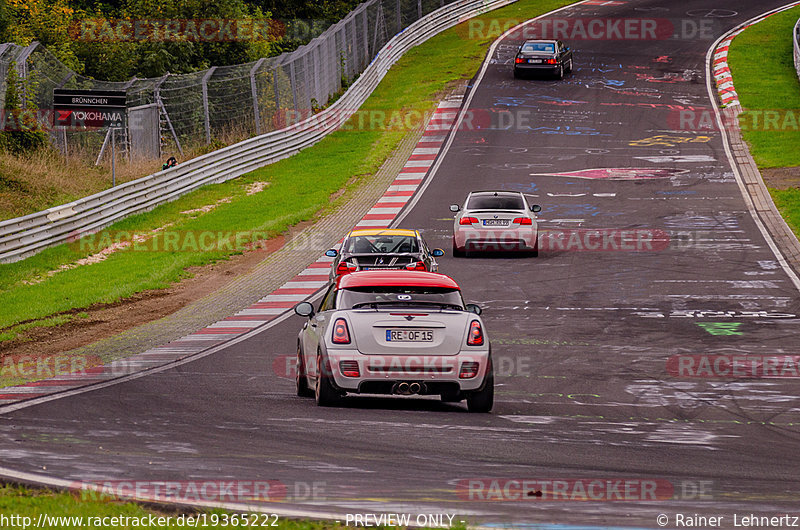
{"x":299,"y":288}
{"x":721,"y":69}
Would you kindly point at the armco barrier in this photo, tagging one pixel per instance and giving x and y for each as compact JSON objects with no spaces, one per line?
{"x":25,"y":236}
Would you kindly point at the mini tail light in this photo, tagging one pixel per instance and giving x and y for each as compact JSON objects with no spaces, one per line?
{"x":475,"y":336}
{"x":468,"y":370}
{"x":345,"y":268}
{"x":341,"y":335}
{"x":551,"y":61}
{"x":523,"y":220}
{"x":519,"y":60}
{"x":467,"y":220}
{"x":416,"y":266}
{"x":349,"y":368}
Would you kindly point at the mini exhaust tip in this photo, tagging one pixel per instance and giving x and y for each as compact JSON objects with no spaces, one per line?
{"x":414,"y":388}
{"x":402,"y":388}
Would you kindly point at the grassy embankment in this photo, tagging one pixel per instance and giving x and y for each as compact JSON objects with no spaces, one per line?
{"x":761,"y":60}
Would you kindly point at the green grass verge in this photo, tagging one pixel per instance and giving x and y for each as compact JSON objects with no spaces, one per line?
{"x":788,"y":202}
{"x":18,"y":503}
{"x":761,"y":60}
{"x":300,"y":188}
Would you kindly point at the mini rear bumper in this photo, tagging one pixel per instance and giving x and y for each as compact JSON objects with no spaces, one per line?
{"x":380,"y":374}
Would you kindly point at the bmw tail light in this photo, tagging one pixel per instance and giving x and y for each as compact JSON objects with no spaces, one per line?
{"x":341,"y":335}
{"x":416,"y":266}
{"x":519,"y":60}
{"x":467,"y":220}
{"x":345,"y":268}
{"x":551,"y":61}
{"x":468,"y":370}
{"x":475,"y":336}
{"x":523,"y":220}
{"x":349,"y":368}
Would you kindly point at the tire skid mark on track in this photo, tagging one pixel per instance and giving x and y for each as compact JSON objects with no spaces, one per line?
{"x":264,"y":312}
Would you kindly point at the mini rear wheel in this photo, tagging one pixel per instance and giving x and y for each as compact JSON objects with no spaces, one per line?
{"x":300,"y":379}
{"x":483,"y":400}
{"x":324,"y":392}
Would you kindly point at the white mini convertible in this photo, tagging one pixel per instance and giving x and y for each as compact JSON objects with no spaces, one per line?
{"x":394,"y":332}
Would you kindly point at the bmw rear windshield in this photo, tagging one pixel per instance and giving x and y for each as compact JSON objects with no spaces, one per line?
{"x":539,"y":47}
{"x":399,"y":296}
{"x":381,"y":244}
{"x":495,"y":202}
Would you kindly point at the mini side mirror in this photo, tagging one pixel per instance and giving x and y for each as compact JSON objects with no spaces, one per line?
{"x":536,"y":208}
{"x":437,"y":252}
{"x":474,"y":308}
{"x":455,"y":208}
{"x":331,"y":253}
{"x":304,"y":309}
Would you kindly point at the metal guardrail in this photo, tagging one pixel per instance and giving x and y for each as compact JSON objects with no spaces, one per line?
{"x":796,"y":45}
{"x":25,"y":236}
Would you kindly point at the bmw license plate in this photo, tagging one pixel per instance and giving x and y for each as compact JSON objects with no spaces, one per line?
{"x":534,"y":61}
{"x":495,"y":222}
{"x":409,"y":335}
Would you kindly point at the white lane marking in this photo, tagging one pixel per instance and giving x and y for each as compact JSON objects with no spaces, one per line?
{"x":372,"y":222}
{"x":392,"y":210}
{"x":425,"y":151}
{"x":263,"y":311}
{"x":312,"y":271}
{"x":677,"y":158}
{"x":239,"y":323}
{"x":419,"y":163}
{"x":34,"y":389}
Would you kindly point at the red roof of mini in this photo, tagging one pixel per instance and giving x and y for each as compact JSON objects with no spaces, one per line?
{"x":396,"y":278}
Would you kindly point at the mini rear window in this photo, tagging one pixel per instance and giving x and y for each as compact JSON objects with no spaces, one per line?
{"x":400,"y":296}
{"x":539,"y":47}
{"x":492,"y":202}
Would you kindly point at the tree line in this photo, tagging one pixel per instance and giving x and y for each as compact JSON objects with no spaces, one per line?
{"x":96,"y":38}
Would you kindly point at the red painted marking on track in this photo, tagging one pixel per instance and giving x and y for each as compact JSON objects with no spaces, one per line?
{"x":320,"y":265}
{"x":423,"y":157}
{"x":430,"y":144}
{"x":398,"y":193}
{"x":263,"y":318}
{"x":20,"y":397}
{"x":406,"y":182}
{"x":298,"y":290}
{"x":278,"y":304}
{"x":414,"y":169}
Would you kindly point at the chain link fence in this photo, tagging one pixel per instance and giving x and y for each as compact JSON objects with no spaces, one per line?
{"x":225,"y":102}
